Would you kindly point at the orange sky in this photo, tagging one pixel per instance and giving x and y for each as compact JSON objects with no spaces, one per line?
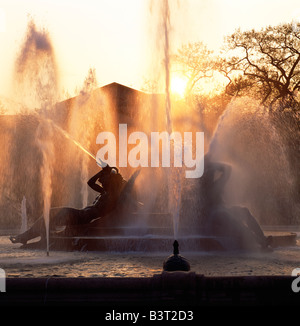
{"x":117,"y":37}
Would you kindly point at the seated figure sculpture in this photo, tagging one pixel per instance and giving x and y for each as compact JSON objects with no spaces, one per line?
{"x":235,"y":223}
{"x":108,"y":182}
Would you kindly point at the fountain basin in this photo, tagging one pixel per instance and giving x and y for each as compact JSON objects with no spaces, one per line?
{"x":282,"y":239}
{"x":149,"y":242}
{"x":140,"y":233}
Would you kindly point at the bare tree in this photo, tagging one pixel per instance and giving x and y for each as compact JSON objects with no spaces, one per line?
{"x":194,"y":61}
{"x":266,"y":63}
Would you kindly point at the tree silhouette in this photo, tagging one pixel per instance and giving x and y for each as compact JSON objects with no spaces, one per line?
{"x":266,"y":64}
{"x":195,"y":62}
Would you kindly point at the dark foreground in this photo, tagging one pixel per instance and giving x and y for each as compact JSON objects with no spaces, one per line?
{"x":168,"y":289}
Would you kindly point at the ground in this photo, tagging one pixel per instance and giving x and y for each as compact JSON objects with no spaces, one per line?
{"x":34,"y":263}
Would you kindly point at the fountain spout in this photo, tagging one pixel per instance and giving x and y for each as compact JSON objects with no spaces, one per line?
{"x":176,"y":262}
{"x":176,"y":248}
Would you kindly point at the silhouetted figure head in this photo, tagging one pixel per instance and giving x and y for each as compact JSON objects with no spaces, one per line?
{"x":110,"y":178}
{"x":176,"y":262}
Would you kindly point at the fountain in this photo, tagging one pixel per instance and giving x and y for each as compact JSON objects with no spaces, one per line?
{"x":54,"y":140}
{"x":49,"y":152}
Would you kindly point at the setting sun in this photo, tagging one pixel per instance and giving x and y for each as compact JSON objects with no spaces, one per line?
{"x":178,"y":86}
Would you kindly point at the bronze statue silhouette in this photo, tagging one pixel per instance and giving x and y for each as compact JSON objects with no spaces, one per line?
{"x":108,"y":182}
{"x":235,"y":222}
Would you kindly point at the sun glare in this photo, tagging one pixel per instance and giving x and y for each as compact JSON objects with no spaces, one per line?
{"x":178,"y":86}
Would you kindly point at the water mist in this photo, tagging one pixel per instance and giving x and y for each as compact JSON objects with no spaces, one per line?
{"x":174,"y":175}
{"x":36,"y":84}
{"x":44,"y":140}
{"x":262,"y":178}
{"x":82,"y":124}
{"x":23,"y":215}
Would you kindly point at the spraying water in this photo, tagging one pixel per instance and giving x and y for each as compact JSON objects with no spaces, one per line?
{"x":44,"y":139}
{"x":174,"y":175}
{"x":81,"y":124}
{"x":23,"y":215}
{"x":261,"y":178}
{"x":166,"y":29}
{"x":36,"y":76}
{"x":36,"y":83}
{"x":69,"y":137}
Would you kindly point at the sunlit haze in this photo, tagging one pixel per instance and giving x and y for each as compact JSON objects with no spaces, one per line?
{"x":116,"y":37}
{"x":178,"y":85}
